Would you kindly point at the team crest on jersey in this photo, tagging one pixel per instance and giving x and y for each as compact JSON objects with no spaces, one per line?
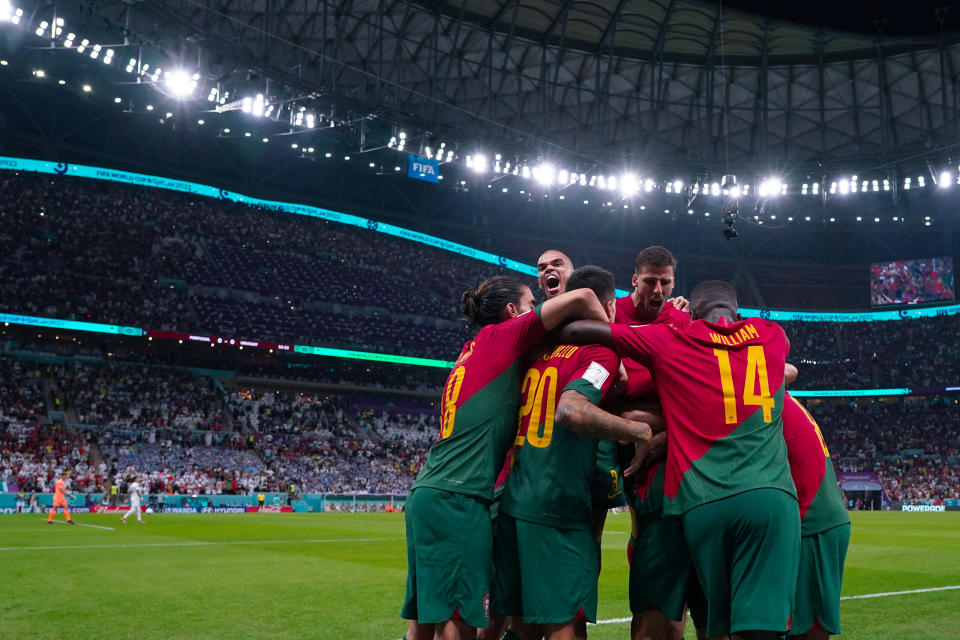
{"x":486,"y":605}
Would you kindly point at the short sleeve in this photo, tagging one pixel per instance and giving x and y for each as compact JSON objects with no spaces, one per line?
{"x":521,"y":332}
{"x":596,"y":370}
{"x":639,"y":343}
{"x":639,"y":380}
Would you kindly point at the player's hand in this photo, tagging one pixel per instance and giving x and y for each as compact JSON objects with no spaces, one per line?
{"x":641,"y":444}
{"x":680,"y":304}
{"x":658,"y":448}
{"x":620,"y":384}
{"x":653,"y":417}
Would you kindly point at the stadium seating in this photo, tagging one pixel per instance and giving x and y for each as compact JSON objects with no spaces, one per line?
{"x":133,"y":256}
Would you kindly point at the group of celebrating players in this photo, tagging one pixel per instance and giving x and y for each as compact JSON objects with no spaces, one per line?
{"x":736,"y":514}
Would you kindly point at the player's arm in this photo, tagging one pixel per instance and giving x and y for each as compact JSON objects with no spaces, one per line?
{"x":585,"y":332}
{"x":581,"y":303}
{"x":790,"y":373}
{"x":576,"y":413}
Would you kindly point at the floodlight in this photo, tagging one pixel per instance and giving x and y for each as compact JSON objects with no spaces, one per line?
{"x":629,"y":185}
{"x":648,"y":185}
{"x":6,"y":11}
{"x":40,"y":73}
{"x":311,"y":120}
{"x":544,"y":173}
{"x":678,"y":186}
{"x":180,"y":84}
{"x":479,"y":163}
{"x":944,"y":182}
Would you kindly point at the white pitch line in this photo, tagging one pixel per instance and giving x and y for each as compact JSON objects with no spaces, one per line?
{"x":82,"y":524}
{"x":900,"y":593}
{"x":192,"y":544}
{"x":860,"y":597}
{"x":94,"y":526}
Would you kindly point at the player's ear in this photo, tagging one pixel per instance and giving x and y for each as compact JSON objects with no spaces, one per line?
{"x":633,"y":280}
{"x":611,"y":308}
{"x":512,"y":310}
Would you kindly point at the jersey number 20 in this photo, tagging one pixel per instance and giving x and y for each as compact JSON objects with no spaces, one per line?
{"x":538,"y":388}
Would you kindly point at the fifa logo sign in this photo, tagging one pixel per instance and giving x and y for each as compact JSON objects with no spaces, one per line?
{"x":424,"y":169}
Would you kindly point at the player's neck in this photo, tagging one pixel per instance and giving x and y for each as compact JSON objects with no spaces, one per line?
{"x":720,"y":316}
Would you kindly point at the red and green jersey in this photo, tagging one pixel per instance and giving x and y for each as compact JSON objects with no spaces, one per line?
{"x":821,"y":504}
{"x":555,"y":470}
{"x":479,"y":408}
{"x":648,"y":493}
{"x":721,"y":389}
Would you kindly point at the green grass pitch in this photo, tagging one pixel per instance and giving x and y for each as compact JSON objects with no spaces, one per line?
{"x":296,"y":576}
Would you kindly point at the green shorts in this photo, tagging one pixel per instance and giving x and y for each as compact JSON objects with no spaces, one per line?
{"x":660,"y":568}
{"x":746,"y":550}
{"x":449,"y":557}
{"x":817,"y":603}
{"x":544,"y":574}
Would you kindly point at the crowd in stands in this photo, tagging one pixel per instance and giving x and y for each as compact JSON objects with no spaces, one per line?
{"x":102,"y":252}
{"x":913,"y":445}
{"x":154,"y":423}
{"x":124,"y":396}
{"x":118,"y":254}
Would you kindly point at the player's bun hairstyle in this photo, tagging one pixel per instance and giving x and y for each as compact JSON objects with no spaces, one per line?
{"x":712,"y":293}
{"x":655,"y":256}
{"x":485,"y":305}
{"x":595,"y":278}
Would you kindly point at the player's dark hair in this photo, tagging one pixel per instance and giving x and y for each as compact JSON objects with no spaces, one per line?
{"x":712,"y":293}
{"x":655,"y":256}
{"x":595,"y":278}
{"x":484,"y":305}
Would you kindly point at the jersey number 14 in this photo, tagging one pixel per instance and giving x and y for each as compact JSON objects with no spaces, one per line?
{"x":756,"y":376}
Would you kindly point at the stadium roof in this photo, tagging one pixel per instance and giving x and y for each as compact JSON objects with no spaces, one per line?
{"x":681,"y":84}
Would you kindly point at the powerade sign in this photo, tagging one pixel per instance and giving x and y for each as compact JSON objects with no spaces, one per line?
{"x":925,"y":508}
{"x":423,"y":169}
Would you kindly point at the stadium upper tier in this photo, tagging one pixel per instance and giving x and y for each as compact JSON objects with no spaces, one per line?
{"x":111,"y":253}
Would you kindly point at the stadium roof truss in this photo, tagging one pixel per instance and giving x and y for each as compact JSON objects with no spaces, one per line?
{"x":671,"y":83}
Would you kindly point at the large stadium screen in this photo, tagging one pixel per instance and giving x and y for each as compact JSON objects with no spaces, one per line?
{"x":911,"y":281}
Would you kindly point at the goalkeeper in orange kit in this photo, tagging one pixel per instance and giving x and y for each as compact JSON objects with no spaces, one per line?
{"x":60,"y":495}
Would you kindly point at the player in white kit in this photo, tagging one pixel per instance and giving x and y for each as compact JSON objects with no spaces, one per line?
{"x":134,"y":491}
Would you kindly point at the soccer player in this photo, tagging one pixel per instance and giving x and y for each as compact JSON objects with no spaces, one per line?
{"x":547,"y":558}
{"x":659,"y":579}
{"x":720,"y":383}
{"x":824,"y":527}
{"x":449,"y":535}
{"x":553,"y":269}
{"x":60,"y":495}
{"x":134,"y":490}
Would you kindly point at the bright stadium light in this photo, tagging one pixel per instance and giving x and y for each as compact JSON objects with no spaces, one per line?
{"x":544,"y":174}
{"x":945,"y":180}
{"x":6,"y":11}
{"x":629,"y":185}
{"x":479,"y":163}
{"x":180,"y":84}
